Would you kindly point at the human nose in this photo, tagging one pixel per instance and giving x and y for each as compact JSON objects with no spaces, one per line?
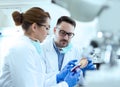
{"x":66,"y":37}
{"x":48,"y":32}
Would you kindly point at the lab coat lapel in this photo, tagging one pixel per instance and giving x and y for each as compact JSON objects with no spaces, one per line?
{"x":51,"y":57}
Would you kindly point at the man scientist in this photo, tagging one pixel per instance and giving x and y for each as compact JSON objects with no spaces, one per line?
{"x":59,"y":50}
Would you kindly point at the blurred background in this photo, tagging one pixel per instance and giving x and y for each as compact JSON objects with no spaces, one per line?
{"x":97,"y":32}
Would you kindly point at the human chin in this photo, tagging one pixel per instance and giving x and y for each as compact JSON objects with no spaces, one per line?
{"x":42,"y":39}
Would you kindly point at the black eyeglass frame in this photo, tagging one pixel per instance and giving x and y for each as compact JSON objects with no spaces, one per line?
{"x":64,"y":33}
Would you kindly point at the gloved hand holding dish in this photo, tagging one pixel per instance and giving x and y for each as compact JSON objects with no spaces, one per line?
{"x":83,"y":63}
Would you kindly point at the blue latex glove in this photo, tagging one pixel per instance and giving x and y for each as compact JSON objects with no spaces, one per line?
{"x":72,"y":78}
{"x":90,"y":66}
{"x":60,"y":76}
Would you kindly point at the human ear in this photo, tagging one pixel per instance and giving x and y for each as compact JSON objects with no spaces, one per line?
{"x":34,"y":26}
{"x":55,"y":30}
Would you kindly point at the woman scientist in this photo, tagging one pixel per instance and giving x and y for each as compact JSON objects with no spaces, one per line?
{"x":23,"y":65}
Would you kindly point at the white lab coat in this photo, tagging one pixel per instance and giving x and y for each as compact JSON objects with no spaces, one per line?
{"x":24,"y":67}
{"x":51,"y":58}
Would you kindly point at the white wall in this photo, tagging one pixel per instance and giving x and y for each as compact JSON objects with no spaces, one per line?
{"x":84,"y":33}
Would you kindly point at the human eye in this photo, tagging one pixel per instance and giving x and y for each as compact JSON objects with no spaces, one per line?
{"x":63,"y":32}
{"x":47,"y":28}
{"x":70,"y":34}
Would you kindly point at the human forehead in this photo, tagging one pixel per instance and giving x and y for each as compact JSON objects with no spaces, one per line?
{"x":48,"y":21}
{"x":66,"y":26}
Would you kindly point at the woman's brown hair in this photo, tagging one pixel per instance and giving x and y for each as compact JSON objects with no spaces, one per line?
{"x":33,"y":15}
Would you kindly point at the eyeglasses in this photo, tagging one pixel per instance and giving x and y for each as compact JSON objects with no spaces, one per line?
{"x":64,"y":33}
{"x":47,"y":28}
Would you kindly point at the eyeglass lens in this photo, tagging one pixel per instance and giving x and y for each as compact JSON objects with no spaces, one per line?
{"x":47,"y":28}
{"x":64,"y":33}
